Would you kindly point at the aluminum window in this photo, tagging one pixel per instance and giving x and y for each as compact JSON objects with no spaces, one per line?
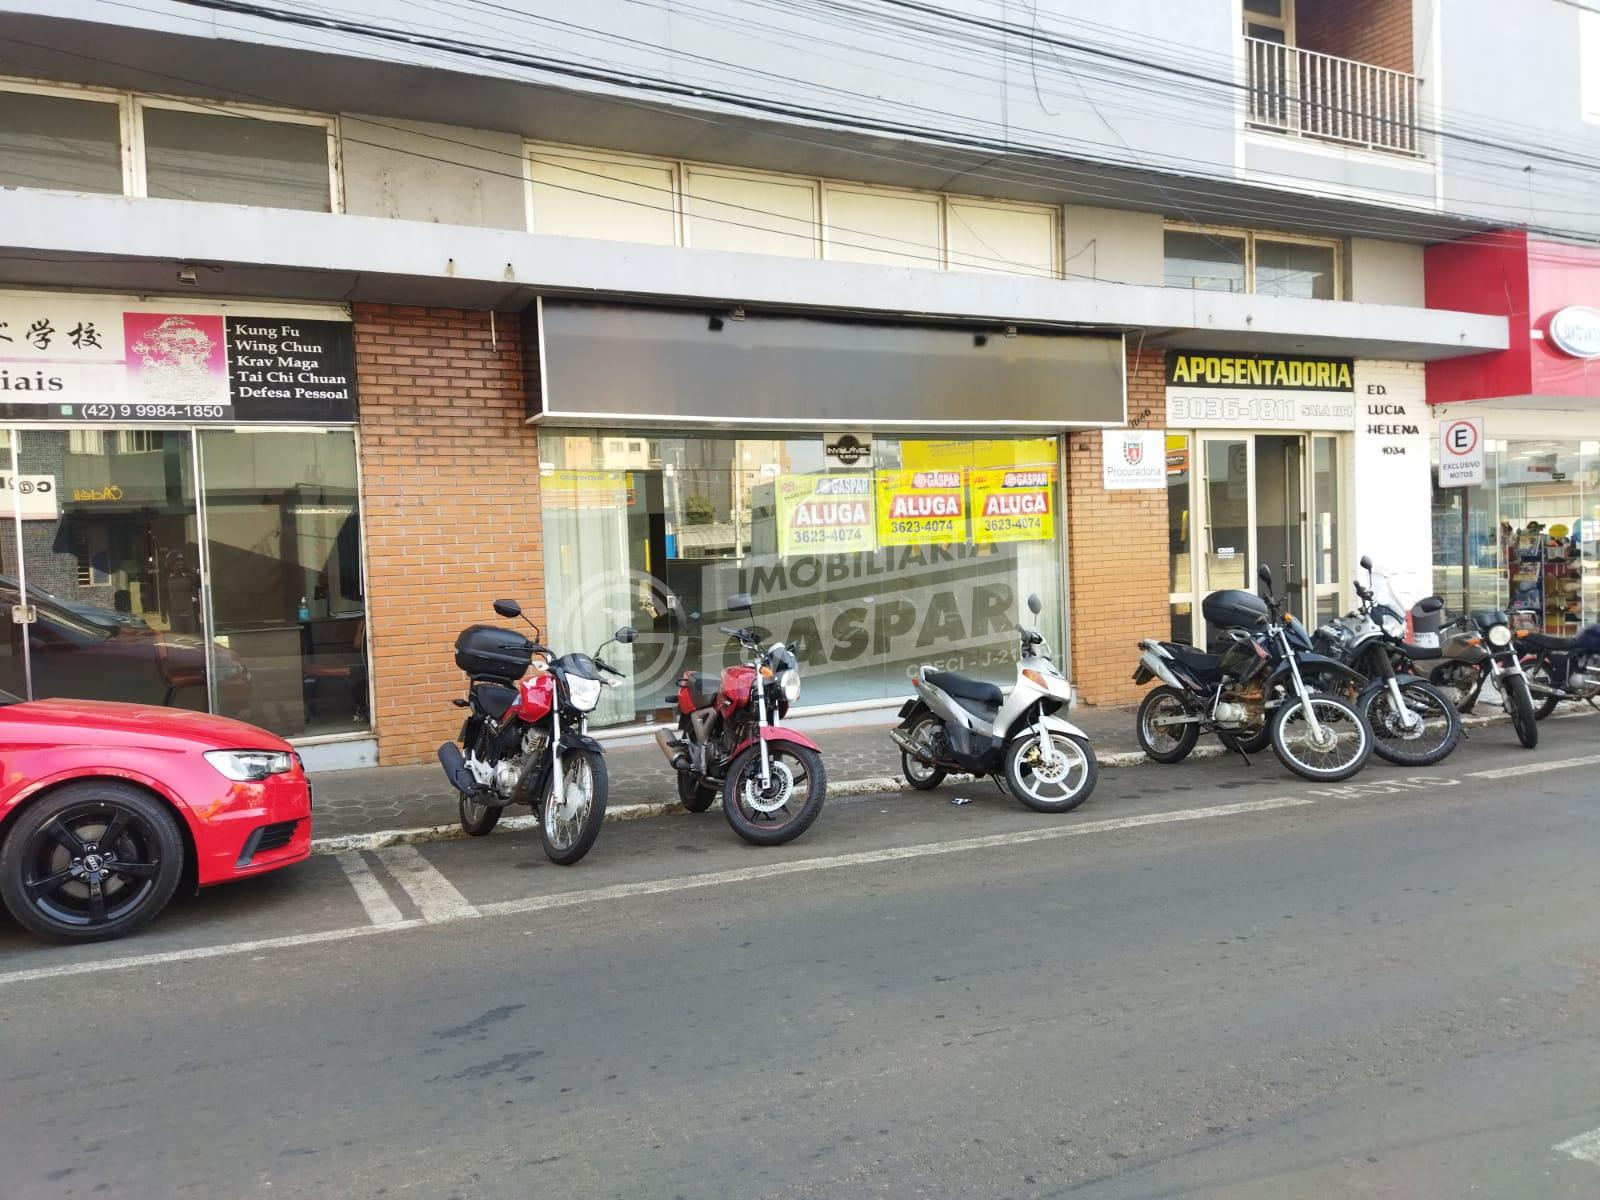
{"x":96,"y":140}
{"x":1207,"y":258}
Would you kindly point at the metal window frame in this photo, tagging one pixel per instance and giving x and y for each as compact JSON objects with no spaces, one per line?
{"x":1251,"y":236}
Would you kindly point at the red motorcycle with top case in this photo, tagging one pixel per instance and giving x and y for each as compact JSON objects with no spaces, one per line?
{"x":728,"y":737}
{"x":526,"y":740}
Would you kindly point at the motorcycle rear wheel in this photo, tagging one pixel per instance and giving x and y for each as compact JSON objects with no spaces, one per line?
{"x":478,"y":819}
{"x":1164,"y":744}
{"x":1548,"y":704}
{"x":568,"y":837}
{"x":920,"y":775}
{"x":694,"y":793}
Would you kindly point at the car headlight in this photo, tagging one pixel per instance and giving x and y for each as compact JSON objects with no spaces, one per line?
{"x":250,"y":766}
{"x":584,"y":693}
{"x":790,"y":682}
{"x":1499,"y":635}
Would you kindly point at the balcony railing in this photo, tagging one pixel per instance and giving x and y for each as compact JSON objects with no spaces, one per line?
{"x":1338,"y":99}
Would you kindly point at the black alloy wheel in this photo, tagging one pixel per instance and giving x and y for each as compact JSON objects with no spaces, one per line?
{"x":91,"y":861}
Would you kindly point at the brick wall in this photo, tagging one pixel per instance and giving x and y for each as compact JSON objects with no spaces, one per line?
{"x":1369,"y":31}
{"x":1117,"y":550}
{"x":450,"y":505}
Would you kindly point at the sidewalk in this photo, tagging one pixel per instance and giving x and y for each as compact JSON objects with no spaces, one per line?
{"x":377,"y":799}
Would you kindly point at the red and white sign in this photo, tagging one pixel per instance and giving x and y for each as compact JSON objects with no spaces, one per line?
{"x":1461,"y":452}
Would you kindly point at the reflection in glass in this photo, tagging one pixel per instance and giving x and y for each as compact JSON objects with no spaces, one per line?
{"x":1294,"y":269}
{"x":1207,"y":262}
{"x":236,"y":160}
{"x":288,"y":597}
{"x":658,"y":531}
{"x":60,"y":142}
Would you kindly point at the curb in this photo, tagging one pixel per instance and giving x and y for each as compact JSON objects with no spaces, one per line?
{"x":871,"y":786}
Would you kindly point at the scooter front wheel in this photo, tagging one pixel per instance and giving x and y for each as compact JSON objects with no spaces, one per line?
{"x":783,"y":808}
{"x":1054,"y":785}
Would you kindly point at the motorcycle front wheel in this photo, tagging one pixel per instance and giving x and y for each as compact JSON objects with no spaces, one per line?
{"x":1422,"y":745}
{"x":792,"y":799}
{"x":569,"y":823}
{"x":478,"y":819}
{"x":1164,"y":743}
{"x":1055,"y":786}
{"x":1338,"y":749}
{"x":1519,"y":703}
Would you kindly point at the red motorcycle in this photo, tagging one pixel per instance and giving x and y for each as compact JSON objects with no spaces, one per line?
{"x":526,"y":740}
{"x":728,"y":737}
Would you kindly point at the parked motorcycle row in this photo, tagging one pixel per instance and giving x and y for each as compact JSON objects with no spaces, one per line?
{"x":1323,"y":701}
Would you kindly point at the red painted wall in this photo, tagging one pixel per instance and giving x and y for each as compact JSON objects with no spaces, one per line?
{"x":1527,"y":281}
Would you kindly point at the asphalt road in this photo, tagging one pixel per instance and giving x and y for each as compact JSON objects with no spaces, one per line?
{"x":1211,"y":980}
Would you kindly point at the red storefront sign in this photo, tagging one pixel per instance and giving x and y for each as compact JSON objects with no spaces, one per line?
{"x":1536,"y":285}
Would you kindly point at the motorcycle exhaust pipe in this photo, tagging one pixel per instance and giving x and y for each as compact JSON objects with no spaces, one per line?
{"x":911,"y":748}
{"x":672,"y":748}
{"x":456,"y":769}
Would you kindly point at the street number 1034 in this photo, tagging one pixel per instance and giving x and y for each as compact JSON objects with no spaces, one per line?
{"x":168,"y":412}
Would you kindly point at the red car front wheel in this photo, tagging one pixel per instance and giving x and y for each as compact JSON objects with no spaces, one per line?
{"x":91,"y":861}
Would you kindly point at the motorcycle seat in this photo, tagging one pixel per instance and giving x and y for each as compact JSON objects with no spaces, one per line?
{"x":963,"y":688}
{"x":1197,"y":661}
{"x":1546,"y":641}
{"x":1420,"y":653}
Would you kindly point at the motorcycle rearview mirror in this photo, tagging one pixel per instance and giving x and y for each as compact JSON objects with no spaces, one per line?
{"x":740,"y":602}
{"x":509,"y":609}
{"x":1033,"y":603}
{"x":626,"y":635}
{"x":1264,"y":574}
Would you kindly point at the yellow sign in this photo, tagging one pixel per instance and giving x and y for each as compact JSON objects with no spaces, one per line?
{"x":825,"y":514}
{"x":920,"y":508}
{"x":587,"y":489}
{"x":1013,"y":505}
{"x":994,"y":452}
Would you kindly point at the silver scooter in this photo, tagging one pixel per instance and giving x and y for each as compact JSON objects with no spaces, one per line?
{"x":956,"y":725}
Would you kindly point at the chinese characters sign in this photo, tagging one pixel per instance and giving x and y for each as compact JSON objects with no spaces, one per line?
{"x":70,"y":357}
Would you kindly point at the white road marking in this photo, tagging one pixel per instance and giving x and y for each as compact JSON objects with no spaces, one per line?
{"x":184,"y":956}
{"x":380,"y":909}
{"x":1533,"y":768}
{"x":434,"y":895}
{"x":1586,"y":1146}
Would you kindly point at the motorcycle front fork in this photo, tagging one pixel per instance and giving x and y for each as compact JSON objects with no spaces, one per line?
{"x":761,"y":741}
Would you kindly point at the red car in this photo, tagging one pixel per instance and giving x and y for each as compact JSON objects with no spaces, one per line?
{"x":106,"y":808}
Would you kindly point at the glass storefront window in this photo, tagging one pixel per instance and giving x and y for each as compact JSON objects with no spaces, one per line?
{"x":112,"y":525}
{"x":1526,"y":537}
{"x":922,"y":555}
{"x":287,"y":595}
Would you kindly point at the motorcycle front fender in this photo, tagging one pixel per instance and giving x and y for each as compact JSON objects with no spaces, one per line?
{"x":1378,"y":683}
{"x":774,"y":734}
{"x":571,"y":739}
{"x":1057,"y":725}
{"x":1316,"y":664}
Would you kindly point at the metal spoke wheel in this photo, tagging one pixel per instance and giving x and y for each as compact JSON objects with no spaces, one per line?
{"x":1056,"y":783}
{"x":90,"y":861}
{"x":1336,"y":748}
{"x":478,"y":819}
{"x":1161,"y":736}
{"x":1430,"y":737}
{"x":570,"y":822}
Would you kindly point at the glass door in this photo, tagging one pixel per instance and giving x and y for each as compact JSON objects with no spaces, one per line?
{"x":1227,"y":498}
{"x":1280,"y":517}
{"x":107,"y":584}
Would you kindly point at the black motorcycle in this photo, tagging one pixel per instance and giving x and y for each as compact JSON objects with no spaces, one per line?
{"x":1561,"y":668}
{"x":1263,"y":680}
{"x":1413,"y":723}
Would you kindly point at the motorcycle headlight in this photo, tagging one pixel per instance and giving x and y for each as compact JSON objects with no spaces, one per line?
{"x":790,"y":682}
{"x":584,"y":693}
{"x":1499,"y":635}
{"x":250,"y":766}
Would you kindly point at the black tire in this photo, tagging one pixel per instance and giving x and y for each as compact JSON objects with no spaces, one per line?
{"x":741,"y":791}
{"x":1159,"y":746}
{"x":1025,"y":782}
{"x":1389,"y":741}
{"x":1549,"y":703}
{"x":694,"y":793}
{"x":565,"y":842}
{"x":1519,"y":703}
{"x":478,"y":819}
{"x":67,"y":867}
{"x":1313,"y":763}
{"x":1256,"y":742}
{"x":918,"y":774}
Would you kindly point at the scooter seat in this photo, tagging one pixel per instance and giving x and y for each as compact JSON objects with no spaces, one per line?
{"x":963,"y":688}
